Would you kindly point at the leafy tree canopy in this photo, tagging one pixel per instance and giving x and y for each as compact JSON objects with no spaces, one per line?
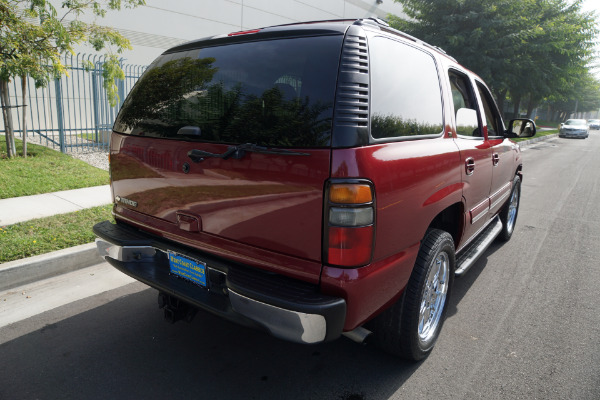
{"x":34,"y":35}
{"x":524,"y":48}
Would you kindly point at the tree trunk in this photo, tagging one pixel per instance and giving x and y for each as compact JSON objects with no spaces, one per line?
{"x":11,"y":151}
{"x":5,"y":118}
{"x":501,"y":98}
{"x":553,"y":114}
{"x":517,"y":105}
{"x":24,"y":89}
{"x":531,"y":104}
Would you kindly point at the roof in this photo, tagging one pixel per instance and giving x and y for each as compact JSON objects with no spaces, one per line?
{"x":300,"y":29}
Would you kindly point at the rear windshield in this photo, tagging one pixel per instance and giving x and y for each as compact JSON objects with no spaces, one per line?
{"x":271,"y":93}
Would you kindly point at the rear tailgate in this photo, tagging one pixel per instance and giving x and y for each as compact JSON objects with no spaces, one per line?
{"x":263,"y":205}
{"x":273,"y":202}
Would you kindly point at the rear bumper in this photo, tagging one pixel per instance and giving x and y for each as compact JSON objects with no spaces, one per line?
{"x":286,"y":308}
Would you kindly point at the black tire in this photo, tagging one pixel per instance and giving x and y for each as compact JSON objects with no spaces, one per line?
{"x":508,"y":215}
{"x":398,"y":330}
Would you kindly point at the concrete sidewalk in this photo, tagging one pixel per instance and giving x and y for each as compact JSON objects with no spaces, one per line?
{"x":20,"y":209}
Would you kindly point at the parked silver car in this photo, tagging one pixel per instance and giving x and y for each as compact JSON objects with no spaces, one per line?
{"x":577,"y":128}
{"x":594,"y":124}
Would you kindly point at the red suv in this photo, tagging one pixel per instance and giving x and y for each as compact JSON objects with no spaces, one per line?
{"x":311,"y":180}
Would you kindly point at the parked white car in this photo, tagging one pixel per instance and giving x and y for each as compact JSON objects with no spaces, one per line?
{"x":577,"y":128}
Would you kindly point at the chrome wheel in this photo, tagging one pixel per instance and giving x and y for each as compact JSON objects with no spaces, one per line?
{"x":434,"y":298}
{"x":411,"y":326}
{"x":513,"y":207}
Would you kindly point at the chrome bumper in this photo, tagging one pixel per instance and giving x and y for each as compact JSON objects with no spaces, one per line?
{"x":311,"y":321}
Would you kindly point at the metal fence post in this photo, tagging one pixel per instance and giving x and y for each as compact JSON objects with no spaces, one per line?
{"x":121,"y":86}
{"x":95,"y":102}
{"x":59,"y":115}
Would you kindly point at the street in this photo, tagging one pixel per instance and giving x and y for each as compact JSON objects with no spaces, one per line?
{"x":523,"y":323}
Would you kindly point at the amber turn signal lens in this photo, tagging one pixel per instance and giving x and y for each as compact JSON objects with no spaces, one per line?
{"x":350,"y":194}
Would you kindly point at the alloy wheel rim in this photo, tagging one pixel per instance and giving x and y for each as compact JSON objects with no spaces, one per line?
{"x":512,"y":209}
{"x":434,"y":298}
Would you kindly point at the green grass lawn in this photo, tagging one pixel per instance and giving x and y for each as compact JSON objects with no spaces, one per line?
{"x":43,"y":235}
{"x":44,"y":171}
{"x":537,"y":134}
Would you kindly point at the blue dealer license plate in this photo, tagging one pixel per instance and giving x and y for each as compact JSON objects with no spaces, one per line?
{"x":186,"y":268}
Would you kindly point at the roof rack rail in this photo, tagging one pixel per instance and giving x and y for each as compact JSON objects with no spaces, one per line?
{"x":373,"y":21}
{"x":440,"y":50}
{"x":394,"y":31}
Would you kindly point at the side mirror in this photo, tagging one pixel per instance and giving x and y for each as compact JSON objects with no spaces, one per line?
{"x":521,"y":128}
{"x":467,"y":123}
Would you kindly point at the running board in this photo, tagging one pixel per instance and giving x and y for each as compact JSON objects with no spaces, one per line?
{"x":471,"y":253}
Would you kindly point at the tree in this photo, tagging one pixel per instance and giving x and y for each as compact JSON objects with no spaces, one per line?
{"x":583,"y":96}
{"x":528,"y":49}
{"x":33,"y":36}
{"x":557,"y":53}
{"x":479,"y":34}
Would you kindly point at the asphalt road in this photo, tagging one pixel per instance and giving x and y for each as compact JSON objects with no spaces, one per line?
{"x":524,"y":323}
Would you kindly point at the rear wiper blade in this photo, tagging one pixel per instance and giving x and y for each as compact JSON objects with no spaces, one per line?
{"x":266,"y":150}
{"x":237,"y":152}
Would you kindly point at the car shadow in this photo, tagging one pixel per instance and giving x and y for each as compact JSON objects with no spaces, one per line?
{"x":123,"y":349}
{"x":463,"y":283}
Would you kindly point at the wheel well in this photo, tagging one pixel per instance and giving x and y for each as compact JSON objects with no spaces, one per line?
{"x":450,"y":220}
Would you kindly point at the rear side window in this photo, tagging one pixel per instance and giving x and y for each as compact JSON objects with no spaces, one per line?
{"x":406,"y":97}
{"x":271,"y":93}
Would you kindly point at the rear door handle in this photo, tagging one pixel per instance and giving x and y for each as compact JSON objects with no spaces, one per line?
{"x":469,"y":166}
{"x":495,"y":159}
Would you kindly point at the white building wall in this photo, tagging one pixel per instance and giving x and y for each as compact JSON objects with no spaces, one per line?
{"x":161,"y":24}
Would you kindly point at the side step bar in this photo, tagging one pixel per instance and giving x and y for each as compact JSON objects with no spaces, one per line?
{"x":471,"y":253}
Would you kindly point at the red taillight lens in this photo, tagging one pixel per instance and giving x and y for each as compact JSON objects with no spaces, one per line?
{"x":350,"y":220}
{"x":350,"y":247}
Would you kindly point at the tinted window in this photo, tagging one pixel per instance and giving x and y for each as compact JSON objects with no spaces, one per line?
{"x":406,"y":99}
{"x":273,"y":93}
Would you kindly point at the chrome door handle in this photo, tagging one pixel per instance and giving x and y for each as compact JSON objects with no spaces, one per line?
{"x":495,"y":159}
{"x":469,"y":166}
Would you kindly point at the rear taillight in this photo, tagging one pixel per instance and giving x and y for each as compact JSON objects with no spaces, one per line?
{"x":349,"y":222}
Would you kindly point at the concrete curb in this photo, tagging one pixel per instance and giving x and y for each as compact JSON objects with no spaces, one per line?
{"x":21,"y":272}
{"x":527,"y":143}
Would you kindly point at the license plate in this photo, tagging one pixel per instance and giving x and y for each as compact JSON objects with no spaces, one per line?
{"x":192,"y":270}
